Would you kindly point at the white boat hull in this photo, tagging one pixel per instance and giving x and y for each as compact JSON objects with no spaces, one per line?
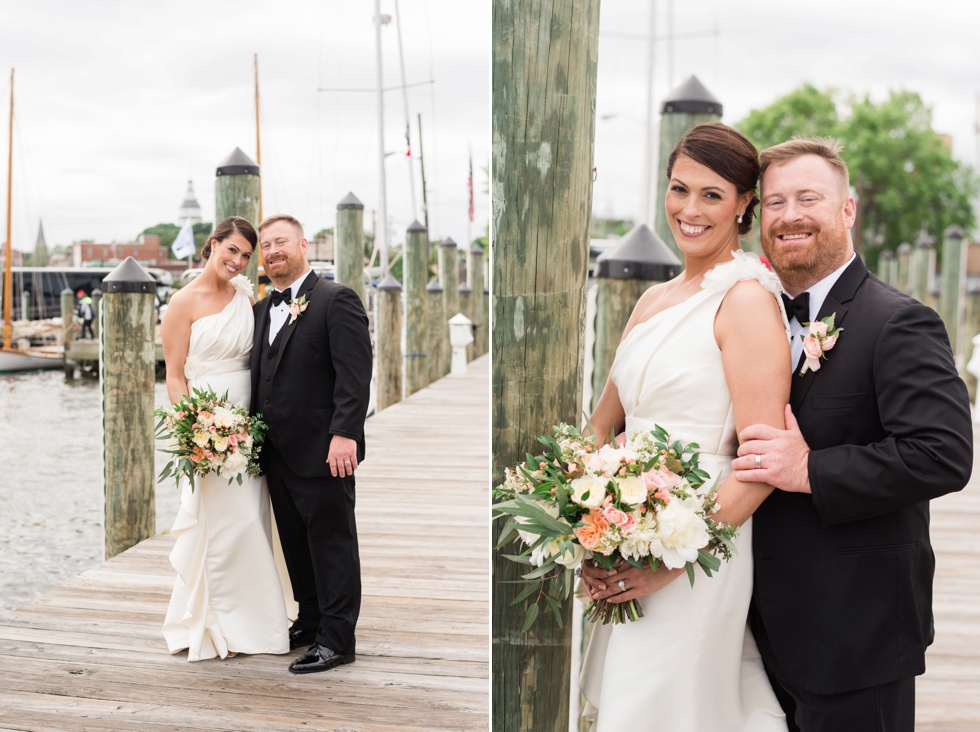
{"x":16,"y":360}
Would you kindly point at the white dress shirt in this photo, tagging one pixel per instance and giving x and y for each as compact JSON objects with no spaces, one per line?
{"x":818,"y":293}
{"x":278,"y":314}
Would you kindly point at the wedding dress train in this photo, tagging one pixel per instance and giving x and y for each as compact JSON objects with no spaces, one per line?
{"x":230,"y":593}
{"x":690,"y":664}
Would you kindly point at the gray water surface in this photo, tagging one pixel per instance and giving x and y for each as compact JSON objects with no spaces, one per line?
{"x":51,"y":509}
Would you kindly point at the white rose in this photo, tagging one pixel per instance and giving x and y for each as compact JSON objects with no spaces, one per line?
{"x":220,"y":443}
{"x":234,"y":463}
{"x":632,"y":490}
{"x":224,"y":417}
{"x":682,"y":533}
{"x":612,"y":457}
{"x":573,"y":558}
{"x":595,"y":487}
{"x":529,"y":538}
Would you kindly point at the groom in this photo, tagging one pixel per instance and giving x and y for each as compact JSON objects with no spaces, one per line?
{"x":311,"y":378}
{"x":842,"y":606}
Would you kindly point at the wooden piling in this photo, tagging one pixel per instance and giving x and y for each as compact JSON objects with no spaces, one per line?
{"x":688,"y":105}
{"x":544,"y":92}
{"x":885,"y":261}
{"x":641,"y":259}
{"x":25,"y":305}
{"x":349,"y":249}
{"x":486,"y":319}
{"x":925,"y":268}
{"x":905,"y":280}
{"x":435,"y":320}
{"x":449,"y":280}
{"x":416,"y":269}
{"x":953,"y":285}
{"x":474,"y":278}
{"x":466,"y":308}
{"x":127,"y":373}
{"x":236,"y":193}
{"x":388,"y":342}
{"x":67,"y":316}
{"x":97,"y":307}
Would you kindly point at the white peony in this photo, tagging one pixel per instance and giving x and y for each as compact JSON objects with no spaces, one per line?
{"x":632,"y":490}
{"x":642,"y":541}
{"x":234,"y":463}
{"x":681,"y":532}
{"x":201,"y":438}
{"x":595,"y":487}
{"x":225,"y":418}
{"x":612,"y":457}
{"x":573,"y":558}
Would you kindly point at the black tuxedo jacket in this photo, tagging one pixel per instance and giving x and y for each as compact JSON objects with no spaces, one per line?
{"x":843,"y":577}
{"x":321,"y":378}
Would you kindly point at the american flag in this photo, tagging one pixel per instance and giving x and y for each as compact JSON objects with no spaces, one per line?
{"x":408,"y":141}
{"x":471,"y":185}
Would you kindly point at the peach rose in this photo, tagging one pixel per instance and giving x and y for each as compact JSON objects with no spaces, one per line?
{"x":595,"y":528}
{"x":811,"y":346}
{"x":828,"y":343}
{"x":818,"y":328}
{"x":653,"y":480}
{"x":620,"y":518}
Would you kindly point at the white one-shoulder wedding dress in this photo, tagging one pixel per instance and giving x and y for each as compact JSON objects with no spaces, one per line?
{"x":230,"y":593}
{"x":690,"y":664}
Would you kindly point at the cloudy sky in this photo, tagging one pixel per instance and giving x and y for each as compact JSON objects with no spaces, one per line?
{"x":767,"y":48}
{"x":119,"y":102}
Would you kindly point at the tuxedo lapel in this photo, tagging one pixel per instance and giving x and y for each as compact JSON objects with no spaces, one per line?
{"x":842,"y":292}
{"x":287,"y":330}
{"x":261,"y":332}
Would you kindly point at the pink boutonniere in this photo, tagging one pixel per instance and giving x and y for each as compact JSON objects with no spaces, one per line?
{"x":821,"y":337}
{"x":296,"y":308}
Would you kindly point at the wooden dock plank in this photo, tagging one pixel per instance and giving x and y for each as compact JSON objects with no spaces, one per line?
{"x":90,"y":655}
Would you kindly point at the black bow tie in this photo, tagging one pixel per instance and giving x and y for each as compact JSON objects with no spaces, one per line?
{"x":280,"y":297}
{"x":798,"y":307}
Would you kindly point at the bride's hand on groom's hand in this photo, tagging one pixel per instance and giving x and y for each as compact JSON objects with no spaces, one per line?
{"x":342,"y":456}
{"x":638,"y":582}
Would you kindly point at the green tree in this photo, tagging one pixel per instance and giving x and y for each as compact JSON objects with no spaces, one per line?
{"x":168,"y":232}
{"x":904,"y":175}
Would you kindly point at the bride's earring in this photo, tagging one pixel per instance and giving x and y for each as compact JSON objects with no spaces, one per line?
{"x":740,"y":217}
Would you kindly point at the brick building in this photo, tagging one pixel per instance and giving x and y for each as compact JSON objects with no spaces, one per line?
{"x":147,"y":251}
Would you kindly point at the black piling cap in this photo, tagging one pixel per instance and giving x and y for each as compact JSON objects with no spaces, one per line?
{"x":640,"y":255}
{"x":924,"y":241}
{"x":129,"y":276}
{"x":904,"y":248}
{"x":390,"y":283}
{"x":238,"y":163}
{"x":887,"y":254}
{"x":433,"y":286}
{"x":477,"y":249}
{"x":447,"y":242}
{"x":692,"y":96}
{"x":953,"y":232}
{"x":463,"y":287}
{"x":415,"y":227}
{"x":350,"y":201}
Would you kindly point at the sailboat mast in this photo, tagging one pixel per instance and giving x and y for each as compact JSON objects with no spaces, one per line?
{"x":8,"y":279}
{"x":401,"y":60}
{"x":381,"y":228}
{"x":258,"y":144}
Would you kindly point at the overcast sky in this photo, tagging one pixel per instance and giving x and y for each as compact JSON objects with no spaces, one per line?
{"x":119,"y":102}
{"x":767,"y":48}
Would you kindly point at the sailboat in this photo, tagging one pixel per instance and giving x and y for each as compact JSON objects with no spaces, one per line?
{"x":14,"y":358}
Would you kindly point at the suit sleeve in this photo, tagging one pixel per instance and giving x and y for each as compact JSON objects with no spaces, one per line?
{"x":350,"y":351}
{"x":925,"y":412}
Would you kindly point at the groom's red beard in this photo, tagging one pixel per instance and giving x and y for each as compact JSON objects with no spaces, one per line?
{"x":799,"y":261}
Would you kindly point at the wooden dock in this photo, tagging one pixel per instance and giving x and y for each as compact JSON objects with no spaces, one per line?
{"x":948,"y":695}
{"x":91,"y":655}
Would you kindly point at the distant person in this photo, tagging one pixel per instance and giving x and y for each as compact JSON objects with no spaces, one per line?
{"x":228,"y":597}
{"x":85,"y":310}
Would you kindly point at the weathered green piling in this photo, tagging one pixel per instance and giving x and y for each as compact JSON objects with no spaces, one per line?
{"x":623,"y":273}
{"x":544,"y":93}
{"x":388,"y":339}
{"x":904,"y":280}
{"x":127,"y":371}
{"x":416,"y":269}
{"x":449,"y":279}
{"x":925,"y":268}
{"x":953,"y":286}
{"x":688,"y":105}
{"x":349,"y":249}
{"x":236,"y":193}
{"x":474,"y":278}
{"x":886,"y":260}
{"x":97,"y":306}
{"x":434,"y":328}
{"x":466,"y":308}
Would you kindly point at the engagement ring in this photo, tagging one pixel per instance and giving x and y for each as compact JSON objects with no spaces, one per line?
{"x":758,"y":462}
{"x":622,"y":585}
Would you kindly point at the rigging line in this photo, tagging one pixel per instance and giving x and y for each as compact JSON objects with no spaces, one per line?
{"x":665,"y":37}
{"x":375,"y":91}
{"x":315,"y":159}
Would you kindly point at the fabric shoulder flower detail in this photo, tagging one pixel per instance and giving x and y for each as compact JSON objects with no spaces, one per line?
{"x":243,"y":285}
{"x":744,"y":266}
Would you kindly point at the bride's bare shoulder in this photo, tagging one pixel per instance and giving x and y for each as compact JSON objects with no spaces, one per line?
{"x":747,"y":302}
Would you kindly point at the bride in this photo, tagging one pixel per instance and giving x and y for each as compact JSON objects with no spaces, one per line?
{"x":228,"y":597}
{"x":704,"y":355}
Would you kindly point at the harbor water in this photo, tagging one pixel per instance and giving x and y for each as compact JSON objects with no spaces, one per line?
{"x":51,"y":509}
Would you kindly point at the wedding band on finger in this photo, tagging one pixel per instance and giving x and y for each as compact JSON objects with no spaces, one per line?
{"x":622,"y":585}
{"x":758,"y":461}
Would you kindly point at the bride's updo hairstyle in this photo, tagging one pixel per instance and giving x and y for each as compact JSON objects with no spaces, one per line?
{"x":728,"y":153}
{"x":227,"y":227}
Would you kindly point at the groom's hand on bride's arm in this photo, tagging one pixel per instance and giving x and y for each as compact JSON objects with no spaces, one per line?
{"x":783,"y":454}
{"x":342,"y":456}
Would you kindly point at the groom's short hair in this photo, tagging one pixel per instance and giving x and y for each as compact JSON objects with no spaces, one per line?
{"x":270,"y":220}
{"x":824,"y":147}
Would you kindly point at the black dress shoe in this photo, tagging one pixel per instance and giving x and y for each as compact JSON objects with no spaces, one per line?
{"x":299,"y":638}
{"x":319,"y":658}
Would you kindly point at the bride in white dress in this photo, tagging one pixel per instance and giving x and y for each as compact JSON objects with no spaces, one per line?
{"x":703,"y":355}
{"x":229,"y":596}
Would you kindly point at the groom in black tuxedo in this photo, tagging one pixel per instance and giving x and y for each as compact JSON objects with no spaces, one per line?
{"x":842,"y":606}
{"x":311,"y":379}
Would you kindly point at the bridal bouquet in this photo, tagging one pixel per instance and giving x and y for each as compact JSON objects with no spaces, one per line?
{"x":644,"y":502}
{"x":206,"y":434}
